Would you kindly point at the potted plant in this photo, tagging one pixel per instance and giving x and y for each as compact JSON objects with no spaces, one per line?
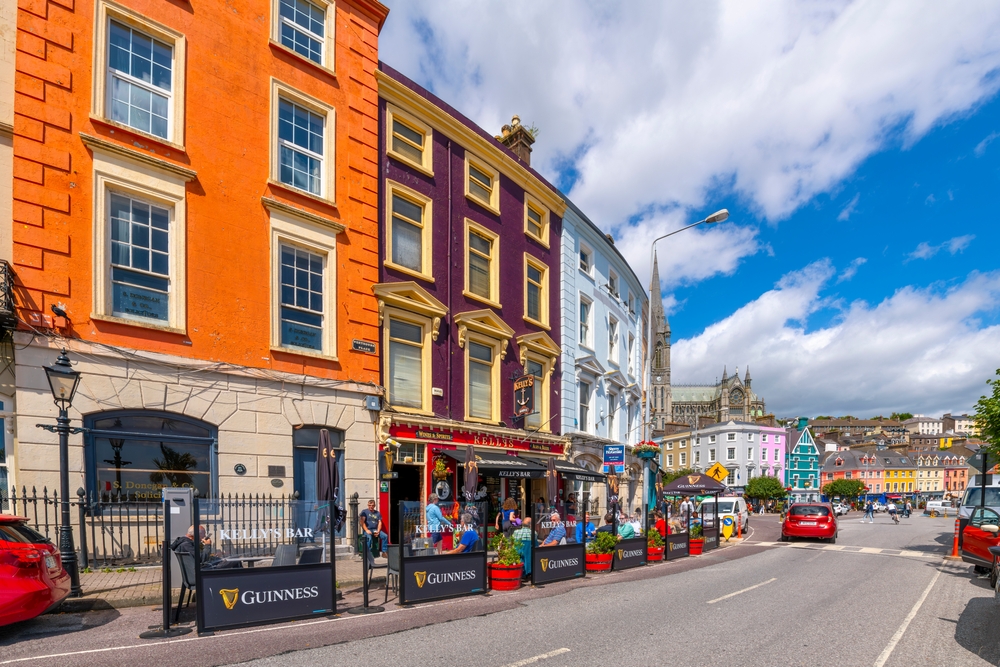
{"x":600,"y":552}
{"x":654,"y":544}
{"x":696,"y":542}
{"x":440,"y":468}
{"x":647,"y":449}
{"x":507,"y":566}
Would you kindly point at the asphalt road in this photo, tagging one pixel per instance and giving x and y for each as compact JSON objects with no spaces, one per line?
{"x":750,"y":604}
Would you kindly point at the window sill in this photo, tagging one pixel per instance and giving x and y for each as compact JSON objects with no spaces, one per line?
{"x":479,"y":202}
{"x":488,"y":302}
{"x":409,"y":163}
{"x":538,"y":240}
{"x":100,"y":120}
{"x":112,"y":319}
{"x":586,"y":347}
{"x":479,"y":420}
{"x":311,"y":63}
{"x":536,"y":323}
{"x":409,"y":411}
{"x":410,"y":272}
{"x":301,"y":193}
{"x":589,"y":275}
{"x":303,"y":353}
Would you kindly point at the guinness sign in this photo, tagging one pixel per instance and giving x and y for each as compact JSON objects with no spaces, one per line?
{"x":677,"y":546}
{"x":557,"y":563}
{"x":239,"y":597}
{"x":629,"y":553}
{"x":424,"y":578}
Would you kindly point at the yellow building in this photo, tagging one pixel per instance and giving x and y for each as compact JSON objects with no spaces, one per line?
{"x":930,"y":474}
{"x":676,"y":452}
{"x":900,"y":472}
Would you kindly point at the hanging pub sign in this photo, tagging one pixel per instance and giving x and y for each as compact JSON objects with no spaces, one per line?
{"x":424,"y":578}
{"x":629,"y":553}
{"x":386,"y":459}
{"x":524,"y":395}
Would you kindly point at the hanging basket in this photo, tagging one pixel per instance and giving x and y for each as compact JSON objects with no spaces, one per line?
{"x":646,"y":455}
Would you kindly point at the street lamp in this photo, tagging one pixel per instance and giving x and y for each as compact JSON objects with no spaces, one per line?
{"x":63,"y":381}
{"x":719,"y":216}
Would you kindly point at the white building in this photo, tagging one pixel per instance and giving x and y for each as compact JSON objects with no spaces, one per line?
{"x":745,"y":449}
{"x":924,"y":425}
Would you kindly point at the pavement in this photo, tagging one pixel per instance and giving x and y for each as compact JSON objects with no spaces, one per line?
{"x":745,"y":604}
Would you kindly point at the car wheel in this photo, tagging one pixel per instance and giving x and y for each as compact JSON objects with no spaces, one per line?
{"x":979,"y":569}
{"x":832,"y":540}
{"x":993,"y":576}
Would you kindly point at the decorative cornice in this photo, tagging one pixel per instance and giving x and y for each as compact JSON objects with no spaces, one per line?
{"x":98,"y":144}
{"x":280,"y":206}
{"x":409,"y":100}
{"x":374,"y":9}
{"x":6,"y":129}
{"x":411,"y":297}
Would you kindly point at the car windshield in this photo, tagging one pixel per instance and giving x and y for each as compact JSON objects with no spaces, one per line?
{"x":973,"y":497}
{"x":18,"y":532}
{"x":725,"y":507}
{"x":810,"y":510}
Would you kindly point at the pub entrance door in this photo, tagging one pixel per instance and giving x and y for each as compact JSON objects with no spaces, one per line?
{"x":405,"y":487}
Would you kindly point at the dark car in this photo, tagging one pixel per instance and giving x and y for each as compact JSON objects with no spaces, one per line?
{"x":816,"y":520}
{"x":32,"y":578}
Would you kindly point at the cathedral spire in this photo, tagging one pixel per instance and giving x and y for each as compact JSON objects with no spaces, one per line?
{"x":725,"y":375}
{"x":656,"y":299}
{"x":747,"y":380}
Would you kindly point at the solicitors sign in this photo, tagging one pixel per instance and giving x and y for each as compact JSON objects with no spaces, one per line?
{"x":629,"y":553}
{"x":424,"y":578}
{"x":253,"y":596}
{"x":557,"y":563}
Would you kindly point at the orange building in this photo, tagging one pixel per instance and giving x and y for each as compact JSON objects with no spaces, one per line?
{"x":195,"y":219}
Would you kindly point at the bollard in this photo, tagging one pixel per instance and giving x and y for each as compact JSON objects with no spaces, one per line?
{"x":954,"y":544}
{"x":84,"y":561}
{"x":739,"y":525}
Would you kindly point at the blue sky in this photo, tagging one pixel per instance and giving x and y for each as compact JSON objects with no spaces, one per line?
{"x":855,"y":143}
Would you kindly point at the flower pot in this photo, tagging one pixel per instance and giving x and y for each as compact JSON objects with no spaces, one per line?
{"x":505,"y":577}
{"x":599,"y":562}
{"x":696,"y":545}
{"x":654,"y":553}
{"x":647,"y":455}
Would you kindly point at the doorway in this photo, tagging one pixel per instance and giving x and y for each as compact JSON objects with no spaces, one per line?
{"x":407,"y":486}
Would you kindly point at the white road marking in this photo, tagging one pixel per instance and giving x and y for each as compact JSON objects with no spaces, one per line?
{"x":887,"y":651}
{"x":848,"y":549}
{"x":544,"y":656}
{"x":726,"y":597}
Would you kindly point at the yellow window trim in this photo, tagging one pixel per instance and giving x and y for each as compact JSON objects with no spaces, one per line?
{"x":394,"y":113}
{"x":493,"y":204}
{"x":104,"y":11}
{"x":426,"y":229}
{"x":543,"y":323}
{"x":494,"y":239}
{"x":428,"y":326}
{"x":328,"y":184}
{"x":543,"y":213}
{"x":329,"y":37}
{"x":499,"y":348}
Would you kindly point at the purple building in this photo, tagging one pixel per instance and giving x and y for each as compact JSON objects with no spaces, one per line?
{"x":468,"y":295}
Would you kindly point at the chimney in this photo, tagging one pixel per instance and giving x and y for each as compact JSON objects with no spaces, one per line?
{"x":517,"y":138}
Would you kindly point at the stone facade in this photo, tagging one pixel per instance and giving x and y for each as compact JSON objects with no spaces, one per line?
{"x":731,"y":398}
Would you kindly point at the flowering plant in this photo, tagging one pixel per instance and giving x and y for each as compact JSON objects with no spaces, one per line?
{"x":646,"y":446}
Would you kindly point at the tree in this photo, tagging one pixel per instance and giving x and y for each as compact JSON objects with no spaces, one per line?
{"x":765,"y":488}
{"x":988,"y":417}
{"x":825,"y":417}
{"x":901,"y":416}
{"x":845,"y":488}
{"x":671,"y":476}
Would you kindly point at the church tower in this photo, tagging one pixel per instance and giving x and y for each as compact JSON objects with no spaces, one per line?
{"x":661,"y":407}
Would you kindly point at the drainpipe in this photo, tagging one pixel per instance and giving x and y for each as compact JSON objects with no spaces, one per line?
{"x":450,"y":305}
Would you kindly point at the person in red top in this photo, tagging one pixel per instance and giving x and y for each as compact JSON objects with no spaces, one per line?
{"x":661,"y":524}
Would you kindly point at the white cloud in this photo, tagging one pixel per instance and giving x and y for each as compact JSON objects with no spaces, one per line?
{"x":980,"y":149}
{"x":920,"y":350}
{"x":851,"y":270}
{"x":845,"y":214}
{"x":957,"y":244}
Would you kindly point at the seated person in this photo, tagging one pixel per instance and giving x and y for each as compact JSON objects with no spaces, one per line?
{"x":469,"y":538}
{"x":609,"y":524}
{"x":626,"y":530}
{"x":585,"y":532}
{"x":661,"y":524}
{"x":523,"y":536}
{"x":558,"y":532}
{"x":209,"y":560}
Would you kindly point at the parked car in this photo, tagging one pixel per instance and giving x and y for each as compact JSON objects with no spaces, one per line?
{"x":32,"y":578}
{"x":728,"y":506}
{"x":978,"y":536}
{"x":973,"y":498}
{"x":879,"y":507}
{"x":938,"y":508}
{"x":840,"y":509}
{"x":816,"y":520}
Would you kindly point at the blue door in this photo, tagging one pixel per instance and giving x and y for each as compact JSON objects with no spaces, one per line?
{"x":305,"y":441}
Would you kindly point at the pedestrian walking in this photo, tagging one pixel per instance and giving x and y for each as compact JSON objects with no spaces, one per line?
{"x":869,"y":513}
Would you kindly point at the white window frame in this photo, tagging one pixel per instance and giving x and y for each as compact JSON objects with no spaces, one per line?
{"x":586,"y":250}
{"x":107,"y":11}
{"x":730,"y":437}
{"x":697,"y":458}
{"x":614,"y":285}
{"x":670,"y":460}
{"x":316,"y":235}
{"x":614,"y":329}
{"x":763,"y":437}
{"x":587,"y":340}
{"x":683,"y":459}
{"x":749,"y":453}
{"x":631,"y":354}
{"x":750,"y":437}
{"x":329,"y":39}
{"x":328,"y":160}
{"x":612,"y":413}
{"x":426,"y":164}
{"x":711,"y":439}
{"x":584,"y":424}
{"x":730,"y":453}
{"x":113,"y":172}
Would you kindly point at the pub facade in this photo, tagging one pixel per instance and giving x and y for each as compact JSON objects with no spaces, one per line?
{"x":468,"y":302}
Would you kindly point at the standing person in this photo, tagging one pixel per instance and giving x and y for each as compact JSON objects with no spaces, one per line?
{"x":687,"y":509}
{"x":907,"y":509}
{"x":436,"y":522}
{"x":869,"y":513}
{"x":571,"y":504}
{"x":661,"y":524}
{"x":371,"y":524}
{"x":506,"y":516}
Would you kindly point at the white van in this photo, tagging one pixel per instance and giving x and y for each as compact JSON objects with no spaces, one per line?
{"x":939,"y":508}
{"x":728,"y":506}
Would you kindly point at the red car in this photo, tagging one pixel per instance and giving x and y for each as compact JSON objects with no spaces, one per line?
{"x":979,"y":535}
{"x":32,"y":578}
{"x":810,"y":520}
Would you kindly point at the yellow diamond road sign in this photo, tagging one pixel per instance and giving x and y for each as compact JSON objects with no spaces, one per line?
{"x":718,"y":472}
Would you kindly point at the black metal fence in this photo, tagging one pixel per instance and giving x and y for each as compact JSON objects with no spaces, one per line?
{"x":114,"y":530}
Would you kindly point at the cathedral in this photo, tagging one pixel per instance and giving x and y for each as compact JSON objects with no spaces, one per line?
{"x":729,"y":399}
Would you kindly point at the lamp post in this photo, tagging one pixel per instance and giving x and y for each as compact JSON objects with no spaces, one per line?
{"x":719,"y":216}
{"x":63,"y":381}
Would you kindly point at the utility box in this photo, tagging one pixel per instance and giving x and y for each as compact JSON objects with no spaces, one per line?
{"x":180,"y":503}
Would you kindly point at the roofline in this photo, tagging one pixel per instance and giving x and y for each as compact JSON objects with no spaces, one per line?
{"x":604,"y":239}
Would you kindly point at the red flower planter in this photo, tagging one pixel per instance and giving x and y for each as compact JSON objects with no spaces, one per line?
{"x":505,"y":577}
{"x":599,"y":562}
{"x":654,"y":553}
{"x":695,"y":546}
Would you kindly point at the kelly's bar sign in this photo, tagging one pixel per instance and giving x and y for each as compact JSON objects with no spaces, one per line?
{"x":253,"y":596}
{"x":424,"y":578}
{"x":629,"y":553}
{"x":524,"y":395}
{"x":557,"y":563}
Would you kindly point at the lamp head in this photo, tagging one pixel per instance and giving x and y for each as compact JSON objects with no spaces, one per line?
{"x":719,"y":216}
{"x":63,"y":380}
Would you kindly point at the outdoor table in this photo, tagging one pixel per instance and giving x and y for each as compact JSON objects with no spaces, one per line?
{"x":249,"y":560}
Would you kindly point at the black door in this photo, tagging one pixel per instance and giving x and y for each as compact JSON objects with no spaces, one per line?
{"x":404,"y":487}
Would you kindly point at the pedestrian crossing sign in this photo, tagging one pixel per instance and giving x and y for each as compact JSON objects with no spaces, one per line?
{"x":718,"y":472}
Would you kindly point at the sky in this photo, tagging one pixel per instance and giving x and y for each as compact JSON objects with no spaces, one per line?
{"x":855,"y":144}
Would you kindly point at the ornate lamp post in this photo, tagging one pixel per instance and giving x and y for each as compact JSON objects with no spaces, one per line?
{"x":63,"y":381}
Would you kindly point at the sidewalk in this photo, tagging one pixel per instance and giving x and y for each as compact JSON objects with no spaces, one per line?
{"x":117,"y":590}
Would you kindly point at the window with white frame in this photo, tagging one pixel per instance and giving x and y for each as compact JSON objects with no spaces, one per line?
{"x":683,"y":458}
{"x":583,"y":394}
{"x":749,"y":453}
{"x":730,"y":437}
{"x":631,"y":355}
{"x":140,"y":258}
{"x":586,"y":259}
{"x":670,"y":444}
{"x":613,"y":284}
{"x":750,"y":437}
{"x":302,"y":298}
{"x":711,"y":455}
{"x":613,"y":340}
{"x":711,"y":438}
{"x":670,"y":460}
{"x":697,"y":457}
{"x":763,"y":437}
{"x":731,"y":478}
{"x":776,"y":455}
{"x":612,"y":416}
{"x":697,"y":441}
{"x":585,"y":314}
{"x":631,"y":303}
{"x":140,"y":80}
{"x":730,"y":453}
{"x":300,"y":146}
{"x":302,"y":28}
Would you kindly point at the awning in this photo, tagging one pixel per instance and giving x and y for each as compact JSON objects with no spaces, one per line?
{"x":572,"y":471}
{"x":500,"y":465}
